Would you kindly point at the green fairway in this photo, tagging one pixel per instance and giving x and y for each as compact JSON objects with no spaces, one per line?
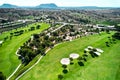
{"x":105,"y":67}
{"x":8,"y":60}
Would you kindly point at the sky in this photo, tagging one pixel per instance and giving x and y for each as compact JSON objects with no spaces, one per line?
{"x":73,"y":3}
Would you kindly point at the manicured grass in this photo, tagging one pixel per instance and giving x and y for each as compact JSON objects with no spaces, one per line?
{"x":8,"y":60}
{"x":23,"y":68}
{"x":105,"y":67}
{"x":118,"y":24}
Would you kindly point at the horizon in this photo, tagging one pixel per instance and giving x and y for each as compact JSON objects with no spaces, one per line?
{"x":64,"y":3}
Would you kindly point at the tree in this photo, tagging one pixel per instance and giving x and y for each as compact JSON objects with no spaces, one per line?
{"x":32,"y":28}
{"x":94,"y":49}
{"x":84,"y":58}
{"x":107,"y":44}
{"x":59,"y":39}
{"x":21,"y":31}
{"x":27,"y":60}
{"x":46,"y":37}
{"x":71,"y":60}
{"x":64,"y":66}
{"x":117,"y":26}
{"x":79,"y":58}
{"x":107,"y":31}
{"x":5,"y":38}
{"x":65,"y":71}
{"x":10,"y":37}
{"x":60,"y":77}
{"x":36,"y":36}
{"x":2,"y":76}
{"x":11,"y":34}
{"x":55,"y":34}
{"x":81,"y":63}
{"x":38,"y":27}
{"x":40,"y":50}
{"x":85,"y":55}
{"x":116,"y":35}
{"x":85,"y":51}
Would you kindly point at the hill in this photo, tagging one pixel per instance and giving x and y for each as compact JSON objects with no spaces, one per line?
{"x":53,"y":6}
{"x":8,"y":6}
{"x":49,"y":5}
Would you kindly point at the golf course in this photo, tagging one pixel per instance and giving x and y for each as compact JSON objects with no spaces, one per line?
{"x":8,"y":59}
{"x":59,"y":40}
{"x":104,"y":67}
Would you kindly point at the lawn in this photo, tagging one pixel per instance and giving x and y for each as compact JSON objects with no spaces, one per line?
{"x":118,"y":24}
{"x":105,"y":67}
{"x":8,"y":60}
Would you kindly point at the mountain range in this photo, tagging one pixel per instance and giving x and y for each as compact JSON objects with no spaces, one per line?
{"x":49,"y":5}
{"x":53,"y":6}
{"x":8,"y":6}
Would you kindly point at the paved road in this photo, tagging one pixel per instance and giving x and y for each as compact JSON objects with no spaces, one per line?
{"x":58,"y":28}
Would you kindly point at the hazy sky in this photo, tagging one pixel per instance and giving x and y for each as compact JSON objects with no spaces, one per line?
{"x":101,"y":3}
